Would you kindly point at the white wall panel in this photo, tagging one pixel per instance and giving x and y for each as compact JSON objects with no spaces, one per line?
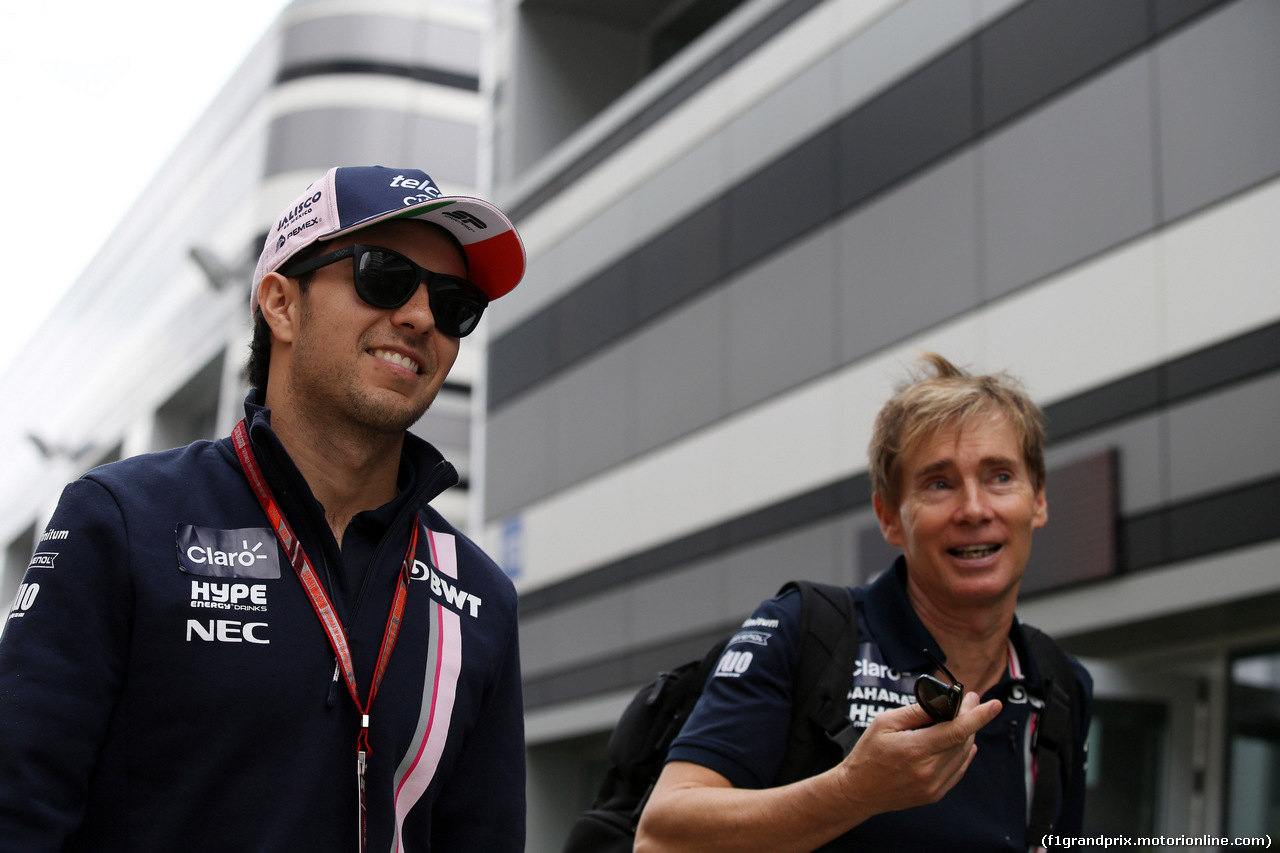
{"x":1082,"y":328}
{"x":1221,"y":270}
{"x":1245,"y":572}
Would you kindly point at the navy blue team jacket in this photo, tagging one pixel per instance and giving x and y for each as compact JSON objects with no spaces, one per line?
{"x":166,"y":685}
{"x":739,"y":726}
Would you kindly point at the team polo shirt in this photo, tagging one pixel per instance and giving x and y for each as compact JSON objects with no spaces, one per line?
{"x":739,"y":727}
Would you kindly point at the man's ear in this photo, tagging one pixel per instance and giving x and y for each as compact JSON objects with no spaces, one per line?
{"x":890,"y":523}
{"x":1040,"y":510}
{"x":278,"y":300}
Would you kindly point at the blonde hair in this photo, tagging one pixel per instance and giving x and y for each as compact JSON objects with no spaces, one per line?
{"x":940,"y":396}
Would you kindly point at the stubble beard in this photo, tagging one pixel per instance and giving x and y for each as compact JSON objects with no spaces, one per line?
{"x":363,"y":408}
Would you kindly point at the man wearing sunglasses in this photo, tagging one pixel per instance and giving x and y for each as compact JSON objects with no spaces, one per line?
{"x":968,"y":728}
{"x":272,"y":642}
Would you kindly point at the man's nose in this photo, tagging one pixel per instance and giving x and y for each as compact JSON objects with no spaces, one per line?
{"x":975,"y":503}
{"x":416,"y":313}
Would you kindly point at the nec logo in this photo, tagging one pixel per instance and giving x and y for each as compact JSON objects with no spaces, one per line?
{"x":226,"y":631}
{"x":468,"y":219}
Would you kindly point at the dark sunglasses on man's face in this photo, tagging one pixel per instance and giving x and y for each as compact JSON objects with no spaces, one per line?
{"x":940,"y":701}
{"x":387,"y":279}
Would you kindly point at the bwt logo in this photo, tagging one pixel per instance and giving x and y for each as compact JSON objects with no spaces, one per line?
{"x":441,"y":588}
{"x":226,"y":631}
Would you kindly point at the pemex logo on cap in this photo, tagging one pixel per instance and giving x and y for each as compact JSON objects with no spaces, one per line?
{"x":303,"y":215}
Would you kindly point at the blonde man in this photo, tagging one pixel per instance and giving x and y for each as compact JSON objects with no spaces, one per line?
{"x":957,"y":467}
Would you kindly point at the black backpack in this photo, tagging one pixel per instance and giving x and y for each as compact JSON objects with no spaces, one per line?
{"x":820,"y":734}
{"x":820,"y":728}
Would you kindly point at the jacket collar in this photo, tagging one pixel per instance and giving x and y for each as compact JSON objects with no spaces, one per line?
{"x":901,"y":635}
{"x":424,"y":472}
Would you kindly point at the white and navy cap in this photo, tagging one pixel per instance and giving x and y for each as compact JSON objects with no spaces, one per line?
{"x":348,"y":198}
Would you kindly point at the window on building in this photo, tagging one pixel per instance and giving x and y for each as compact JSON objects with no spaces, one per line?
{"x":1253,"y":789}
{"x":576,"y":57}
{"x":1126,"y":754}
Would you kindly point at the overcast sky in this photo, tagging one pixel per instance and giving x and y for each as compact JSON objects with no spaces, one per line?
{"x":95,"y":96}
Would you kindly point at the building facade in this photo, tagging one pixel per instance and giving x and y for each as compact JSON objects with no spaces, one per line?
{"x":746,"y":219}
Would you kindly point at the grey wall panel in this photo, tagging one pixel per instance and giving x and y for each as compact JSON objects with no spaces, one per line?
{"x":912,"y":124}
{"x":1141,"y":454}
{"x":520,"y":444}
{"x":1042,"y":47}
{"x":872,"y":554}
{"x":595,"y":416}
{"x":384,"y":39}
{"x":680,"y":262}
{"x":780,"y":321}
{"x":1225,"y":439}
{"x":678,"y":603}
{"x":319,"y":139}
{"x":1171,"y":13}
{"x":784,"y":200}
{"x":444,"y":428}
{"x":596,"y":313}
{"x":1220,"y":105}
{"x":755,"y":573}
{"x":1071,"y":180}
{"x":523,"y":356}
{"x":679,"y":372}
{"x":910,"y":259}
{"x":589,"y":629}
{"x":535,"y":642}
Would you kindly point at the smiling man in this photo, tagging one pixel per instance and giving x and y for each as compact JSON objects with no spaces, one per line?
{"x":994,"y":757}
{"x":272,"y":642}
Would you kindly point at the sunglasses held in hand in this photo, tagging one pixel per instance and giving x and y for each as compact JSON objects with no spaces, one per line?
{"x":940,"y":701}
{"x":387,"y":279}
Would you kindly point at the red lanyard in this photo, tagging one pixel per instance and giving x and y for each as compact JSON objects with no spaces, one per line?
{"x":324,"y":607}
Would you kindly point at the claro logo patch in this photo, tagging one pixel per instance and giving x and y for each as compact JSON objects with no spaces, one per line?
{"x":246,"y":552}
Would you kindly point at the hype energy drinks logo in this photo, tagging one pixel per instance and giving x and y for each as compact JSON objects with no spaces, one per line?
{"x":246,"y":552}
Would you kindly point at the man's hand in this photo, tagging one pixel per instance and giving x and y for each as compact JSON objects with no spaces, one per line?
{"x":901,"y":761}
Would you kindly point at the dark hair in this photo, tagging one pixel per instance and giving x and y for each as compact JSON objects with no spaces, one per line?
{"x":259,"y":363}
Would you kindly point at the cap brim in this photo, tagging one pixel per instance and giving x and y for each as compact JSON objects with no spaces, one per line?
{"x":495,"y":253}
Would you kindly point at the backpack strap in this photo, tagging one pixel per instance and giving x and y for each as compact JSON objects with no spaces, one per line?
{"x":1054,"y":742}
{"x":820,"y":727}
